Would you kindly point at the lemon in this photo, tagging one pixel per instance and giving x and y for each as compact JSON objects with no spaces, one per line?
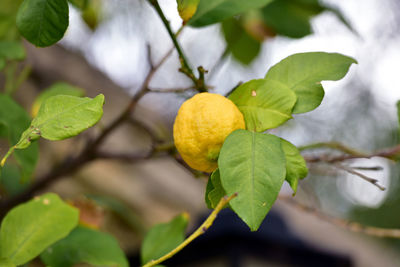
{"x":201,"y":126}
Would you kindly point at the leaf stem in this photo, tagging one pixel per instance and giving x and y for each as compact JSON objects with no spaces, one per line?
{"x":201,"y":230}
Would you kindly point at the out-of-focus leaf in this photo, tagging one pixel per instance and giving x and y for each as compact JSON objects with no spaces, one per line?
{"x":12,"y":50}
{"x":81,"y":4}
{"x":163,"y":238}
{"x":84,"y":245}
{"x":59,"y":88}
{"x":13,"y":121}
{"x":8,"y":14}
{"x":243,"y":47}
{"x":43,"y":22}
{"x":291,"y":17}
{"x":30,"y":228}
{"x":10,"y":180}
{"x":121,"y":210}
{"x":6,"y":263}
{"x":304,"y":72}
{"x":214,"y":11}
{"x":2,"y":63}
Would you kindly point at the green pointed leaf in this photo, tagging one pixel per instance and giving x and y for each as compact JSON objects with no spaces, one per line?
{"x":265,"y":103}
{"x":243,"y":47}
{"x":13,"y":121}
{"x":84,"y":245}
{"x":217,"y":192}
{"x":6,"y":263}
{"x":61,"y":117}
{"x":214,"y":11}
{"x":12,"y":50}
{"x":304,"y":72}
{"x":59,"y":88}
{"x":296,"y":167}
{"x":163,"y":238}
{"x":30,"y":228}
{"x":209,"y":188}
{"x":43,"y":22}
{"x":291,"y":17}
{"x":253,"y":165}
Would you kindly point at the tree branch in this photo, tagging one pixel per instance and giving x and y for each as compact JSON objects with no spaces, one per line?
{"x":362,"y":176}
{"x":389,"y":153}
{"x":185,"y":67}
{"x":88,"y":154}
{"x":348,"y":225}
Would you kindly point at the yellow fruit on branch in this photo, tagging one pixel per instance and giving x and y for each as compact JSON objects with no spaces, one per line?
{"x":201,"y":126}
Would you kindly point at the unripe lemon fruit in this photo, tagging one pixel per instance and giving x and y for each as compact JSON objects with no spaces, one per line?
{"x":201,"y":126}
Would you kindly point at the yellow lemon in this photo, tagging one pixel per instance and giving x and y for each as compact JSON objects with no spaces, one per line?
{"x":201,"y":126}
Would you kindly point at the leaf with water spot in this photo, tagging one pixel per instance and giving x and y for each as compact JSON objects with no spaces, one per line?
{"x":31,"y":227}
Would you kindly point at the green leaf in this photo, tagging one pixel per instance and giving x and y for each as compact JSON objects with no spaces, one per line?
{"x":43,"y":22}
{"x":30,"y":228}
{"x":13,"y":121}
{"x":59,"y":88}
{"x":6,"y":263}
{"x":12,"y":50}
{"x":296,"y":167}
{"x":62,"y":117}
{"x":291,"y":17}
{"x":243,"y":47}
{"x":265,"y":103}
{"x":81,"y":4}
{"x":163,"y":238}
{"x":217,"y":192}
{"x":304,"y":72}
{"x":84,"y":245}
{"x":187,"y":8}
{"x":214,"y":11}
{"x":253,"y":165}
{"x":11,"y":182}
{"x":209,"y":188}
{"x":340,"y":16}
{"x":8,"y":14}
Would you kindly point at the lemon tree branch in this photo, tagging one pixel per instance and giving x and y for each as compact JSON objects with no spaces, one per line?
{"x":201,"y":230}
{"x":185,"y":67}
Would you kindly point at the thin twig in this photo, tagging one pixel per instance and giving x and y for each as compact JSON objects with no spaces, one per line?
{"x":389,"y":153}
{"x":333,"y":145}
{"x":201,"y":230}
{"x":185,"y":67}
{"x":348,"y":225}
{"x":366,"y":178}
